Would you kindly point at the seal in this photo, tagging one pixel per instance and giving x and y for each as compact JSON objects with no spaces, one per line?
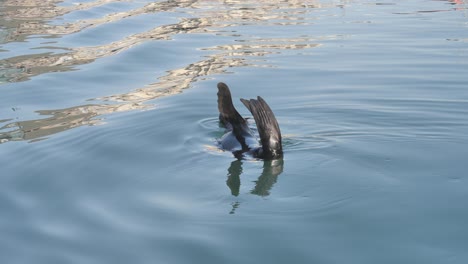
{"x":239,"y":138}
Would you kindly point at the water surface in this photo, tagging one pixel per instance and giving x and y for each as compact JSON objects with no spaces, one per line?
{"x":108,"y":128}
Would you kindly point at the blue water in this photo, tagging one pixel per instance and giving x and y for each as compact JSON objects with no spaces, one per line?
{"x":109,"y":122}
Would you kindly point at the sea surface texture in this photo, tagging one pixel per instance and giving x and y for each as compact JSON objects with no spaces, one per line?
{"x":109,"y":129}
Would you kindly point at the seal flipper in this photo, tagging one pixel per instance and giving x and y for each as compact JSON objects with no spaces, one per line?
{"x":230,"y":118}
{"x":228,"y":114}
{"x":268,"y":128}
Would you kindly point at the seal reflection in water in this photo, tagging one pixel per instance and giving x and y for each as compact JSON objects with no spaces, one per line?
{"x":271,"y":170}
{"x":238,"y":138}
{"x":263,"y":185}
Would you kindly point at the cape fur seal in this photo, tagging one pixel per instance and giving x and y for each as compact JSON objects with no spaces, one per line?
{"x":238,"y":137}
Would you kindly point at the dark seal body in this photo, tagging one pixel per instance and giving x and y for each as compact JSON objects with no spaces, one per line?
{"x":239,"y":138}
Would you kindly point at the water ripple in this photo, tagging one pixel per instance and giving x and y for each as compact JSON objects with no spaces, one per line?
{"x":211,"y":18}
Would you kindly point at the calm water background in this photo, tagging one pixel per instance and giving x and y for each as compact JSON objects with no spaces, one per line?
{"x":108,"y":125}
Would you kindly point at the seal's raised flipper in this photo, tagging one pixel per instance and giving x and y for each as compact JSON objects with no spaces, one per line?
{"x":268,"y":128}
{"x":228,"y":114}
{"x":231,"y":119}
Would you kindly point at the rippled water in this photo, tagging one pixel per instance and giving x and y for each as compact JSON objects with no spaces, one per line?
{"x":108,"y":128}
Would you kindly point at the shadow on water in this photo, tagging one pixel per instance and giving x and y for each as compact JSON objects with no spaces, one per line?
{"x":233,"y":180}
{"x":271,"y":170}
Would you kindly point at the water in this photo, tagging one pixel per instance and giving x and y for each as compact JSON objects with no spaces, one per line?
{"x":108,"y":125}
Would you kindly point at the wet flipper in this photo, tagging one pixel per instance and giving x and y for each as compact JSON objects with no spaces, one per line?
{"x":230,"y":118}
{"x":228,"y":114}
{"x":268,"y":128}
